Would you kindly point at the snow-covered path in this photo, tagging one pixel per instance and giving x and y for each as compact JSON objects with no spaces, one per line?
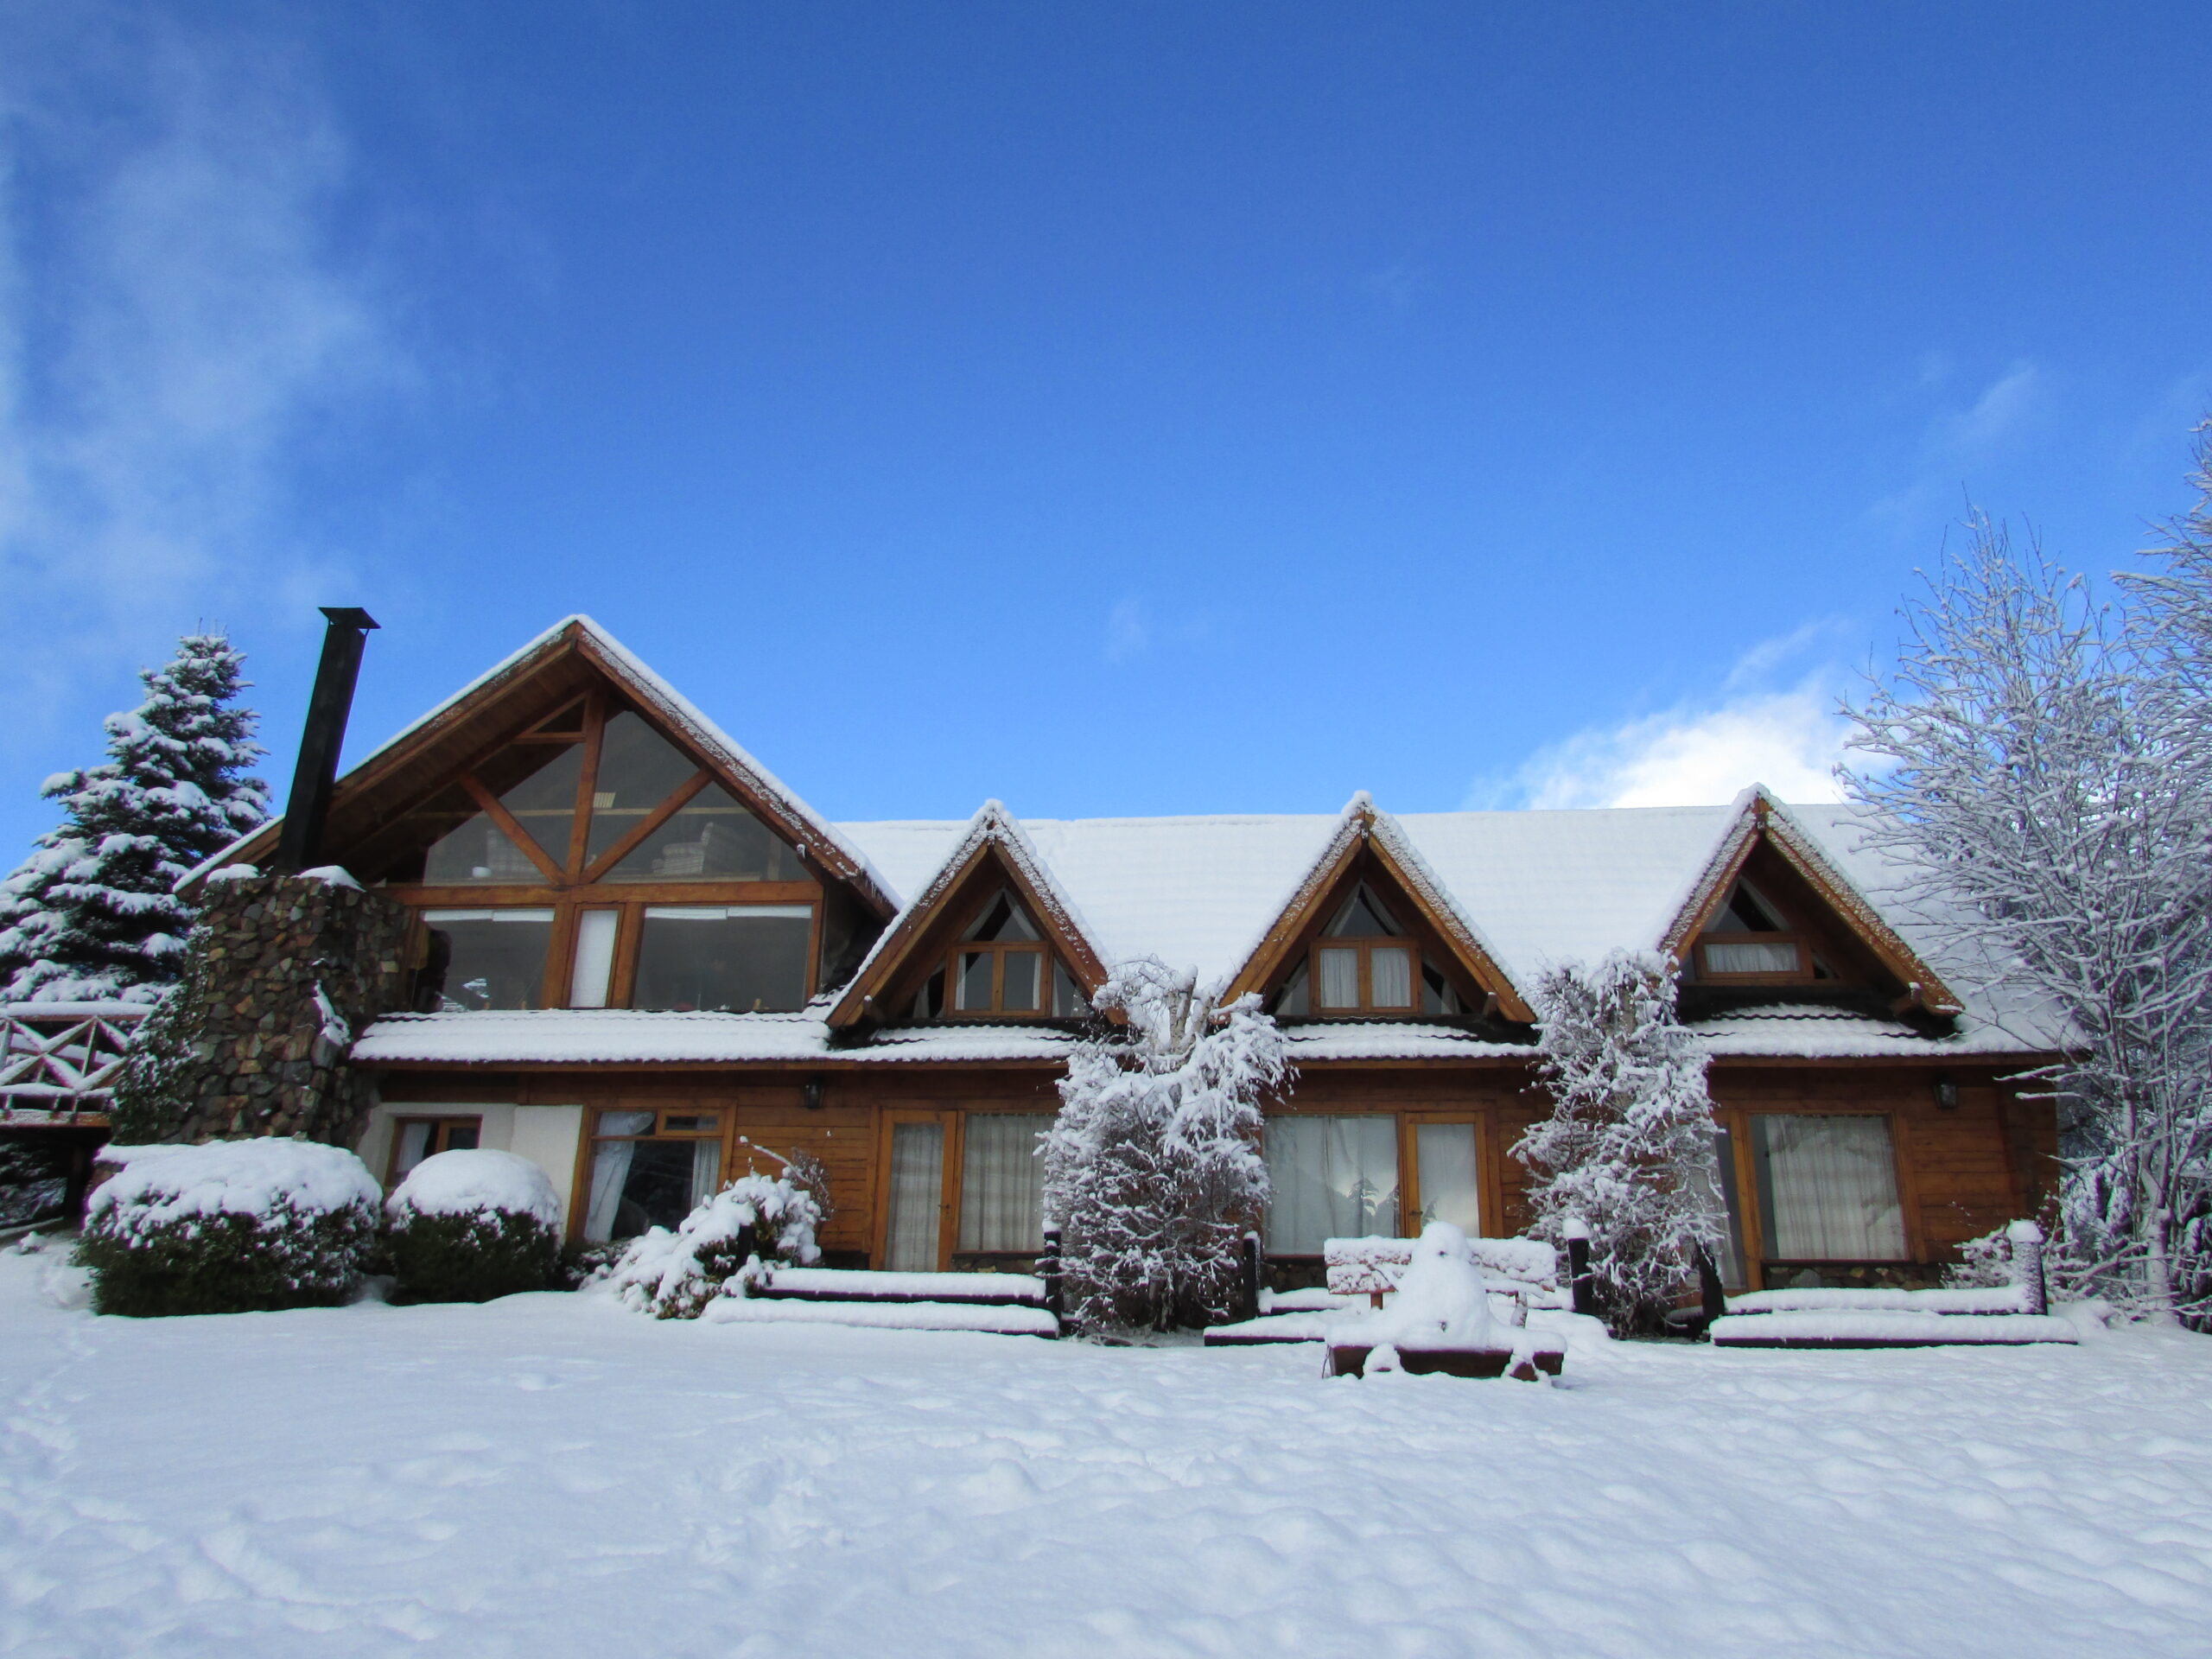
{"x":550,"y":1476}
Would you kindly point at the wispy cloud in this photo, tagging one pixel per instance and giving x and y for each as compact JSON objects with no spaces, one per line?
{"x":1127,"y":633}
{"x":1958,"y":439}
{"x":1788,"y":737}
{"x":175,"y":321}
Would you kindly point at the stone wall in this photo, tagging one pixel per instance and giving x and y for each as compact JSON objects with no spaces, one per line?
{"x":246,"y":1045}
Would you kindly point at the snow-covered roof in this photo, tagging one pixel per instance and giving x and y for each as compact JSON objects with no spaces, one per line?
{"x":627,"y":1036}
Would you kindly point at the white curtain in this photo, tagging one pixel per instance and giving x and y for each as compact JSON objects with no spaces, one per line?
{"x":1339,"y":978}
{"x":1451,"y":1183}
{"x":1752,"y":957}
{"x":917,"y":1190}
{"x":706,"y":1170}
{"x":610,"y":1173}
{"x":1831,"y":1186}
{"x":1002,"y":1182}
{"x":414,"y":1146}
{"x":1334,"y":1178}
{"x":1390,"y":976}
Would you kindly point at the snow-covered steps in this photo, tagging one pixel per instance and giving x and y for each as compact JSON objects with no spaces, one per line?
{"x":843,"y":1285}
{"x":1003,"y":1304}
{"x":1892,"y":1327}
{"x":1268,"y":1328}
{"x":992,"y":1319}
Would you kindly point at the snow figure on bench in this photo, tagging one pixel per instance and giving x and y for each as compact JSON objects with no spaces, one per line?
{"x":1438,"y":1320}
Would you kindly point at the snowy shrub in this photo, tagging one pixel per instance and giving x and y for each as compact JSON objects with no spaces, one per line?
{"x":1152,"y":1168}
{"x":1984,"y":1263}
{"x":756,"y":1217}
{"x":465,"y":1226}
{"x":229,"y":1227}
{"x":1629,"y":1145}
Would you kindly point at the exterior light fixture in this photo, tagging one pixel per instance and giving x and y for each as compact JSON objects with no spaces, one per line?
{"x":1946,"y":1091}
{"x":809,"y":1094}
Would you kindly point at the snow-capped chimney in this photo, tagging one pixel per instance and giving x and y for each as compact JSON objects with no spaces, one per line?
{"x":316,"y":774}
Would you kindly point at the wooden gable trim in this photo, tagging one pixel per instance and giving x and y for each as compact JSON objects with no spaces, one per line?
{"x":1764,"y":821}
{"x":1365,"y":830}
{"x":921,"y":929}
{"x":590,"y":671}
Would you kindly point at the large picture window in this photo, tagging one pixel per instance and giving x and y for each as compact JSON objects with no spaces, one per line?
{"x":487,"y":958}
{"x":1334,"y":1178}
{"x":650,"y":1169}
{"x":1828,"y":1188}
{"x":739,"y":958}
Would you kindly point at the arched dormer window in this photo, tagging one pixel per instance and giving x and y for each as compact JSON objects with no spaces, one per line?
{"x":998,"y":968}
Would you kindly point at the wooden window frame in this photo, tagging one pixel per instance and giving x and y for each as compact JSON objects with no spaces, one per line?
{"x":1737,"y":1120}
{"x":440,"y":1123}
{"x":1801,"y":975}
{"x":952,"y":1142}
{"x":580,"y":1184}
{"x":1409,"y":1198}
{"x":1366,"y":945}
{"x":999,"y":950}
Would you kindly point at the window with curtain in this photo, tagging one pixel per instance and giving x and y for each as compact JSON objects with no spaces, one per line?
{"x":1002,"y":1182}
{"x":917,"y":1197}
{"x":650,"y":1169}
{"x":1334,"y":1178}
{"x":487,"y":958}
{"x":1828,"y":1188}
{"x":414,"y":1139}
{"x":1450,"y":1179}
{"x":736,"y":959}
{"x":1362,"y":963}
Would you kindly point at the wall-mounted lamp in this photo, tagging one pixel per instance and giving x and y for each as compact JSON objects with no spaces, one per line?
{"x":1946,"y":1091}
{"x":809,"y":1094}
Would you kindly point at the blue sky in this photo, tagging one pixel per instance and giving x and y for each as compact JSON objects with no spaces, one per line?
{"x":1114,"y":409}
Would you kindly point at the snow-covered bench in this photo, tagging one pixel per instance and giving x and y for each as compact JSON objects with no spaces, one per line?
{"x":1997,"y":1315}
{"x":1522,"y":1273}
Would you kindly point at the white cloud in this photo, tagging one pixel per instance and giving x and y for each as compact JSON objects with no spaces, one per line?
{"x":174,"y":320}
{"x":1127,"y":632}
{"x":1788,"y":740}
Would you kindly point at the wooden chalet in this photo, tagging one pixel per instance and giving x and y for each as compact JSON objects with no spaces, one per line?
{"x":644,"y":962}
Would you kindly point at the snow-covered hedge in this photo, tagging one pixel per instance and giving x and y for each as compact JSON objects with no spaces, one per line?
{"x":674,"y":1275}
{"x":467,"y":1226}
{"x":228,"y":1227}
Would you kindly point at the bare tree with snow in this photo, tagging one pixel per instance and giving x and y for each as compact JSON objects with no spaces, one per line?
{"x":1628,"y":1149}
{"x":1153,"y":1169}
{"x":2042,"y":772}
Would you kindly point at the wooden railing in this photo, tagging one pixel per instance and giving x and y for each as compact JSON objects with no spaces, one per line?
{"x":59,"y":1060}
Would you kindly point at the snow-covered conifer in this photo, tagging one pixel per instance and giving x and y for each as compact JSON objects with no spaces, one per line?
{"x":93,"y":914}
{"x":1629,"y":1145}
{"x":1152,"y":1168}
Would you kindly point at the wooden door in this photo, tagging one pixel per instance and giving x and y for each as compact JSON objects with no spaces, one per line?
{"x":919,"y":1160}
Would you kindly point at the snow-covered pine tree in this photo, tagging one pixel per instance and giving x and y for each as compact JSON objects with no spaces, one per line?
{"x":93,"y":914}
{"x":1629,"y":1145}
{"x":1152,"y":1168}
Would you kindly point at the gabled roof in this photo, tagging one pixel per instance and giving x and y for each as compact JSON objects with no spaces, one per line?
{"x":994,"y":840}
{"x":1758,"y":818}
{"x":1363,"y":827}
{"x":563,"y":657}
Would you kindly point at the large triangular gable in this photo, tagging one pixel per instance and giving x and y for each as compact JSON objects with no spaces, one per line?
{"x":1761,"y":819}
{"x":1365,"y":827}
{"x":995,"y":851}
{"x":561,"y":663}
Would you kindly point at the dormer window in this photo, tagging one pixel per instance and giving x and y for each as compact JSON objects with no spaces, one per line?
{"x":1001,"y":967}
{"x":1749,"y":943}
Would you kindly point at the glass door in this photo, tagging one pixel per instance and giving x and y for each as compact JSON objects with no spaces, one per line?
{"x":916,"y":1208}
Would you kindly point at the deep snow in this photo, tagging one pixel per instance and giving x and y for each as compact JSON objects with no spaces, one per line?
{"x":553,"y":1476}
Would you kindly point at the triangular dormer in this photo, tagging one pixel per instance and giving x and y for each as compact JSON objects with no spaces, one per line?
{"x":1370,"y":933}
{"x":991,"y":937}
{"x":1771,"y":918}
{"x":572,"y":832}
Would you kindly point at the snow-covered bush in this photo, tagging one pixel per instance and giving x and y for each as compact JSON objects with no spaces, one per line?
{"x":229,"y":1227}
{"x":94,"y":913}
{"x":465,"y":1226}
{"x":1628,"y":1146}
{"x":754,"y":1218}
{"x":1152,"y":1168}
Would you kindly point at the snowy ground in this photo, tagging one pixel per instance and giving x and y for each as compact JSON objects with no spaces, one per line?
{"x":551,"y":1476}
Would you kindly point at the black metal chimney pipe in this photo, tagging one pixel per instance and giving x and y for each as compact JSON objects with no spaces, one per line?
{"x":317,"y":772}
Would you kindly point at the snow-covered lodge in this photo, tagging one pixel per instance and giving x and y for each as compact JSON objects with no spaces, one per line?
{"x":644,"y":962}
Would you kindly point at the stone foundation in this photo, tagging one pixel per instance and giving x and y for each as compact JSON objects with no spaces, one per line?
{"x":247,"y":1044}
